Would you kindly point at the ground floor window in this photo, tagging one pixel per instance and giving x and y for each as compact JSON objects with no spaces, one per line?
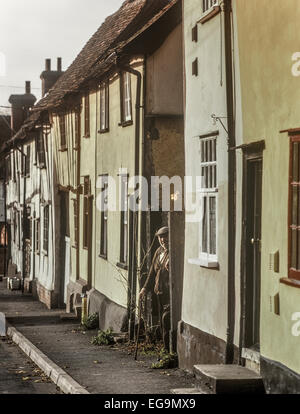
{"x":208,"y":198}
{"x":124,"y":219}
{"x":104,"y":216}
{"x":46,"y":229}
{"x":294,"y":209}
{"x":37,"y":235}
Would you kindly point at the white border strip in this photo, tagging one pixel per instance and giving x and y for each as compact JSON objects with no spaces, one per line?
{"x":60,"y":378}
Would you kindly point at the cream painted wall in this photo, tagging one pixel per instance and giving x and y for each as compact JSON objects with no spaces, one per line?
{"x":87,"y":168}
{"x":205,"y":290}
{"x":39,"y":189}
{"x":115,"y":151}
{"x":164,"y":76}
{"x":268,"y":37}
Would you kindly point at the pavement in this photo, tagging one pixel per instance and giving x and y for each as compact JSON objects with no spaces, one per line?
{"x":19,"y":375}
{"x":97,"y":370}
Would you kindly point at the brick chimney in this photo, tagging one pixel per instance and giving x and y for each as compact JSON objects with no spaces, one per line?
{"x":20,"y":105}
{"x":49,"y":77}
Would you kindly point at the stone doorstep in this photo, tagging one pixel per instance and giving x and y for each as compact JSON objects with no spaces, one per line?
{"x":69,"y":317}
{"x":187,"y":391}
{"x":226,"y":379}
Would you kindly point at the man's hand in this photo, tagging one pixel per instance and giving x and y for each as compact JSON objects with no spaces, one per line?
{"x":142,"y":293}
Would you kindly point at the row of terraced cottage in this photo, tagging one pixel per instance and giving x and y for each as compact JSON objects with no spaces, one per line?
{"x":170,"y":89}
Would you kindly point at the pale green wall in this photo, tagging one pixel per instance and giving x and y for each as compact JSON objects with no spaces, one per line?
{"x":87,"y":168}
{"x":268,"y":37}
{"x":114,"y":150}
{"x":204,"y":304}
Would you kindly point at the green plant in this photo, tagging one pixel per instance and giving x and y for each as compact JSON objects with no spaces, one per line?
{"x":91,"y":322}
{"x":166,"y":361}
{"x":103,"y":338}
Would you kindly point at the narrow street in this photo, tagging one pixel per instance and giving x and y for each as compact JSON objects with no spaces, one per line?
{"x":19,"y":375}
{"x":100,"y":370}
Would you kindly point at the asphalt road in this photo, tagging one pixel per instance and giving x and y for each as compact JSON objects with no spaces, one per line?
{"x":19,"y":375}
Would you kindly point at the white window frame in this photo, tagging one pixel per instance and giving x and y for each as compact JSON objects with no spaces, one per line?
{"x":124,"y":218}
{"x":104,"y":217}
{"x":127,"y":106}
{"x":208,"y":5}
{"x":104,"y":106}
{"x":45,"y":249}
{"x":205,"y":258}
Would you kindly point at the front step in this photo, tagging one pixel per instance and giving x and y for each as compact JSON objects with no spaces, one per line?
{"x":229,"y":379}
{"x":187,"y":391}
{"x":68,"y":317}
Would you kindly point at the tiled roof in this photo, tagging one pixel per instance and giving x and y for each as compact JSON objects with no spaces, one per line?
{"x":101,"y":65}
{"x":117,"y":28}
{"x":27,"y":126}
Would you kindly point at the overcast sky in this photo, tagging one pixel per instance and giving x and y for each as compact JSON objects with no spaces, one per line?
{"x":33,"y":30}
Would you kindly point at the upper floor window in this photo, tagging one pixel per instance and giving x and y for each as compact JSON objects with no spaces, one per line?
{"x":209,"y":198}
{"x":104,"y":107}
{"x":126,"y":104}
{"x":62,"y":129}
{"x":8,"y":168}
{"x":77,"y":132}
{"x":208,"y":4}
{"x":87,"y":115}
{"x":27,"y":162}
{"x":40,"y":148}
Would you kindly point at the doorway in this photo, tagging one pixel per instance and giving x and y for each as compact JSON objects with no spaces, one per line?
{"x":251,"y":254}
{"x":64,"y":248}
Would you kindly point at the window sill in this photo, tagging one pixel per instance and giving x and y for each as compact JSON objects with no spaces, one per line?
{"x":205,"y":262}
{"x":102,"y":256}
{"x":87,"y":136}
{"x":103,"y":131}
{"x":290,"y":282}
{"x":210,"y":14}
{"x":122,"y":266}
{"x":126,"y":124}
{"x":63,"y":149}
{"x":45,"y":253}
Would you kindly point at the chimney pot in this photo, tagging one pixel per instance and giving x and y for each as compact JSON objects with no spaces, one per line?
{"x":27,"y":87}
{"x":48,"y":65}
{"x":59,"y":67}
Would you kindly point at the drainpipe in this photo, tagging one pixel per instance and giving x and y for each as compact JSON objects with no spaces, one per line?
{"x":5,"y":222}
{"x":23,"y":221}
{"x":136,"y":228}
{"x":229,"y":357}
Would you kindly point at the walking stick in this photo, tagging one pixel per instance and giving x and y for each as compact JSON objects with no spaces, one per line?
{"x":138,"y":329}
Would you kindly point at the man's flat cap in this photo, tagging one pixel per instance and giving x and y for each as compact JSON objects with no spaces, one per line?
{"x":162,"y":231}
